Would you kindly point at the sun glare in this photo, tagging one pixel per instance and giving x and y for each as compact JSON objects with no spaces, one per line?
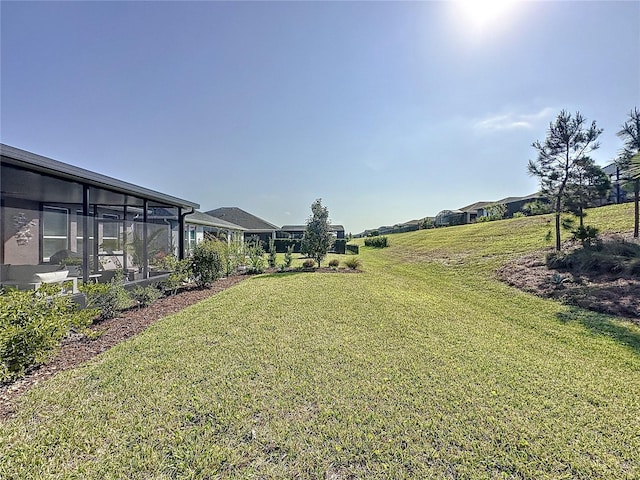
{"x":483,"y":14}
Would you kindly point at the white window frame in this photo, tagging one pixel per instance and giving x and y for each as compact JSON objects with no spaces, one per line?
{"x":45,"y":237}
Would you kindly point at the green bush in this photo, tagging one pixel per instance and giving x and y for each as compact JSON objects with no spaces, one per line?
{"x":376,"y":242}
{"x":587,"y":235}
{"x":288,"y":256}
{"x":32,"y":323}
{"x":309,"y":263}
{"x":107,"y":298}
{"x":353,"y":263}
{"x":334,"y":262}
{"x":145,"y":296}
{"x":255,"y":252}
{"x":272,"y":253}
{"x":180,"y":274}
{"x":615,"y":257}
{"x":206,"y":262}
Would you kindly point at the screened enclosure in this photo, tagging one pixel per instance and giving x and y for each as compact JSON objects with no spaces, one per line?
{"x":53,"y":213}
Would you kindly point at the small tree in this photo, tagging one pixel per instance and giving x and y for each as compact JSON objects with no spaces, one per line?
{"x":630,"y":135}
{"x":255,"y":252}
{"x":272,"y":253}
{"x":317,"y":237}
{"x":567,"y":144}
{"x":589,"y":183}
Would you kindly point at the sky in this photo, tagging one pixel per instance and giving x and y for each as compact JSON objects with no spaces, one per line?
{"x":387,"y":111}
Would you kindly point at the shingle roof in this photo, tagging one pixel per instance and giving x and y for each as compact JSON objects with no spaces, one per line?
{"x":244,"y":219}
{"x":475,"y":206}
{"x":200,"y":218}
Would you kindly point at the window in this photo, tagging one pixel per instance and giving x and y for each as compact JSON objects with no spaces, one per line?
{"x":110,"y":232}
{"x":55,"y":231}
{"x":190,"y":238}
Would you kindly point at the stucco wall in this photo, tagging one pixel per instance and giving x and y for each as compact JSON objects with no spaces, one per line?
{"x":21,"y":233}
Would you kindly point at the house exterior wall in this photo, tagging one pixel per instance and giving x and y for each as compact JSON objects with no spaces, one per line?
{"x":20,"y":232}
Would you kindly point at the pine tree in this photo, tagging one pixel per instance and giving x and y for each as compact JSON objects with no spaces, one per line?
{"x":630,"y":134}
{"x":567,"y":145}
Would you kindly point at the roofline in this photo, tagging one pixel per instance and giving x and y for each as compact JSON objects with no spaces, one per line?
{"x":303,"y":227}
{"x":213,"y":223}
{"x":33,"y":161}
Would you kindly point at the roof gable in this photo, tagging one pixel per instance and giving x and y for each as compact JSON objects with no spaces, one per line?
{"x":200,"y":218}
{"x":240,"y":217}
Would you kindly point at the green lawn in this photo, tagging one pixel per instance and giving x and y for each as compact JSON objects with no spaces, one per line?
{"x":423,"y":366}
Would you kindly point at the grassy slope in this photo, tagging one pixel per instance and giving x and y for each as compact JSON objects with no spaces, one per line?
{"x":423,"y":366}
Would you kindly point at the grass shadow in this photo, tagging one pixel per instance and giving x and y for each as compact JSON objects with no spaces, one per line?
{"x":604,"y":325}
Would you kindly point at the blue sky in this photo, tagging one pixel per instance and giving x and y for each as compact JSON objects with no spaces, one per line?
{"x":388,"y":111}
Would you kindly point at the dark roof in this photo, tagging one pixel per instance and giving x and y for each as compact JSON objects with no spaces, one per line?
{"x":298,"y":228}
{"x":32,"y":161}
{"x":244,"y":219}
{"x":518,"y":199}
{"x":475,"y":206}
{"x":200,"y":218}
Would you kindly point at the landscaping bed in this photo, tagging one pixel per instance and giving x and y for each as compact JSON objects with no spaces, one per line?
{"x":614,"y":294}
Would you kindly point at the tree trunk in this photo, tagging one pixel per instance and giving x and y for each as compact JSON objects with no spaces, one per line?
{"x":558,"y":213}
{"x":636,"y":222}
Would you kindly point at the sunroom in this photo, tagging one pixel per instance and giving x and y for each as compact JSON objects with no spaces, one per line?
{"x":58,"y":217}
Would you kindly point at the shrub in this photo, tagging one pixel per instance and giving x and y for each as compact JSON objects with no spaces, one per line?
{"x":376,"y":242}
{"x":309,"y":263}
{"x":145,"y":296}
{"x":32,"y":323}
{"x":616,"y":257}
{"x":206,"y":262}
{"x":519,"y":215}
{"x":586,"y":235}
{"x":255,"y":252}
{"x":180,"y":274}
{"x":353,"y":263}
{"x":334,"y":262}
{"x":107,"y":298}
{"x":288,"y":256}
{"x":272,"y":253}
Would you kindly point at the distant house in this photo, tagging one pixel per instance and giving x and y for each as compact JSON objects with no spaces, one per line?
{"x":513,"y":204}
{"x":297,"y":231}
{"x":254,"y":227}
{"x":448,"y":218}
{"x":616,"y":176}
{"x":199,"y":225}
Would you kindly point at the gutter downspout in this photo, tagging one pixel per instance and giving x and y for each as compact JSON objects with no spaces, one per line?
{"x":181,"y":216}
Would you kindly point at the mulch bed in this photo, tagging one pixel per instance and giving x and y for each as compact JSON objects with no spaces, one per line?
{"x":609,"y":294}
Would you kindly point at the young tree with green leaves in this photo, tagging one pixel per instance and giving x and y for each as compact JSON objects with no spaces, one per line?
{"x":628,"y":160}
{"x":317,"y":236}
{"x":569,"y":141}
